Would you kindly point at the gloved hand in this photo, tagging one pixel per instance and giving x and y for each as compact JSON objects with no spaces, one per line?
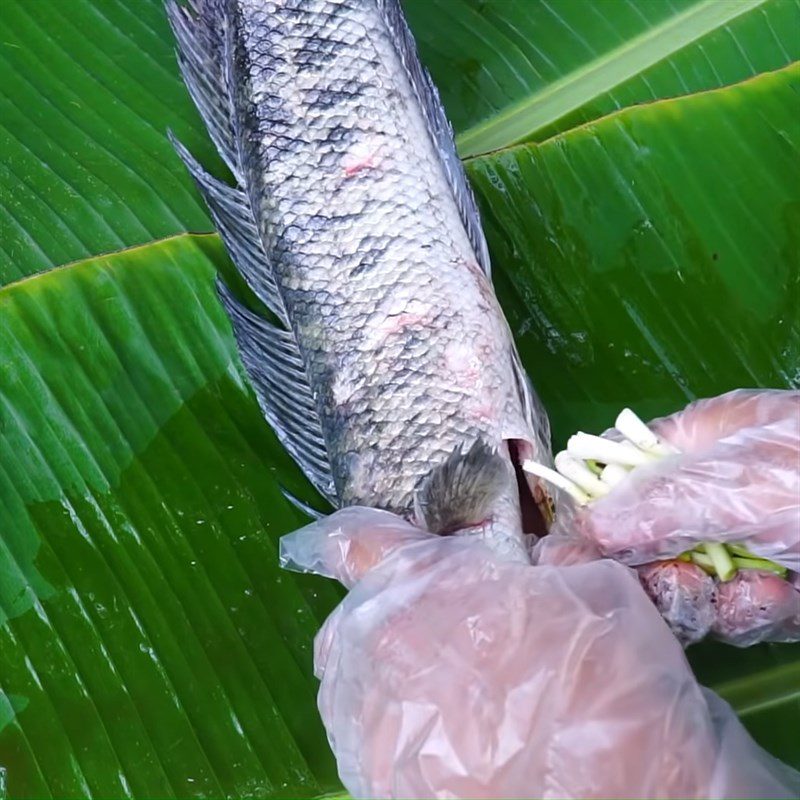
{"x":736,"y":480}
{"x":446,"y":672}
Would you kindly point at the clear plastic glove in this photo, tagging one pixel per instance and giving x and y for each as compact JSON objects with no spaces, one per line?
{"x":448,"y":673}
{"x":736,"y":480}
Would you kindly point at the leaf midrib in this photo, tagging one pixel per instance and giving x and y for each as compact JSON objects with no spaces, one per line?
{"x":90,"y":261}
{"x":521,"y":120}
{"x":768,"y":688}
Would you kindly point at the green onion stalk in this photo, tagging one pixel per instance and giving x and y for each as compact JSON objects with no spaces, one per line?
{"x":592,"y":466}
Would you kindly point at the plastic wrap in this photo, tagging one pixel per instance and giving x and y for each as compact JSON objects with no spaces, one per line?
{"x":736,"y":481}
{"x":685,"y":596}
{"x":447,"y":673}
{"x":757,"y":607}
{"x":752,"y":607}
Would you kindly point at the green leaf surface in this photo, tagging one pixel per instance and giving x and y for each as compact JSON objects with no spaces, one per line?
{"x":763,"y":684}
{"x":88,"y":89}
{"x":150,"y":645}
{"x":517,"y":70}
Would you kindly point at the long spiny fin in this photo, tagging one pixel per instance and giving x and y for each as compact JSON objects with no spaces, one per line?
{"x":438,"y":126}
{"x":270,"y":354}
{"x":461,"y":491}
{"x":279,"y":377}
{"x":301,"y":506}
{"x":233,"y":218}
{"x":201,"y":32}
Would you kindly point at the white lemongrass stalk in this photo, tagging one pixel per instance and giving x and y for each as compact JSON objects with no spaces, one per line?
{"x":613,"y":474}
{"x":551,"y":476}
{"x":596,"y":448}
{"x":636,"y":432}
{"x":581,"y":475}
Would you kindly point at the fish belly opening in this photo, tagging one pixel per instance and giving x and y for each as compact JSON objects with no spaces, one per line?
{"x":533,"y":519}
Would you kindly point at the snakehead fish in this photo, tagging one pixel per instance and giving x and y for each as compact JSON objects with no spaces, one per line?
{"x":389,"y":374}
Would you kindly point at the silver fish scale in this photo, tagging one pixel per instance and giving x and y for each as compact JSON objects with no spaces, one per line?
{"x":400,"y":329}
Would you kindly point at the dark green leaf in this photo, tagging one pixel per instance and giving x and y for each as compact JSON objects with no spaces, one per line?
{"x":518,"y":70}
{"x":151,"y":646}
{"x":88,"y":89}
{"x":652,"y":257}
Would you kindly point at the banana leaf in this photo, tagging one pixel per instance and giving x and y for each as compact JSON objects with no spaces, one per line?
{"x":516,"y":71}
{"x":88,"y":89}
{"x":632,"y":261}
{"x":150,"y":645}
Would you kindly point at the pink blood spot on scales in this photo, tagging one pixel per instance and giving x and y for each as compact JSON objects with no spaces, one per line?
{"x":393,"y":325}
{"x":362,"y":156}
{"x":399,"y":322}
{"x":462,"y":362}
{"x":475,"y":268}
{"x":482,"y":411}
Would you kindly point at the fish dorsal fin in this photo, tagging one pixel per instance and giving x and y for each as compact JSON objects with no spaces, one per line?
{"x":230,"y":210}
{"x":533,"y":410}
{"x":439,"y":127}
{"x":201,"y":32}
{"x":269,"y":353}
{"x":279,"y":378}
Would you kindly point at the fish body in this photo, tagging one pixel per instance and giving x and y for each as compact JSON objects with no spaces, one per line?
{"x":352,"y":220}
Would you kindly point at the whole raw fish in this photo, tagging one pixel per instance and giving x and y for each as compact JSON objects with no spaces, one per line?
{"x":392,"y":377}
